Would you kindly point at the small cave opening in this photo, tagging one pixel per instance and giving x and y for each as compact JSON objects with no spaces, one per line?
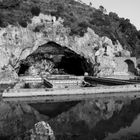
{"x":23,"y":68}
{"x":63,"y":59}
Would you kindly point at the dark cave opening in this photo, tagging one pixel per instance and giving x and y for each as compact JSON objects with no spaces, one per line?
{"x":74,"y":65}
{"x":62,"y":57}
{"x":131,"y":66}
{"x":23,"y":68}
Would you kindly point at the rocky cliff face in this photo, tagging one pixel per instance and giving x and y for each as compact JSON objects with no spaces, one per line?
{"x":17,"y":42}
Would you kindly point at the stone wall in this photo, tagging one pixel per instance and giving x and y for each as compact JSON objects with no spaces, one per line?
{"x":120,"y":67}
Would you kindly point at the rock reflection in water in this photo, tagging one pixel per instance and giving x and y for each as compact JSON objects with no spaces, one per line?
{"x":124,"y":123}
{"x":102,"y":119}
{"x":132,"y":130}
{"x":128,"y":131}
{"x":86,"y":121}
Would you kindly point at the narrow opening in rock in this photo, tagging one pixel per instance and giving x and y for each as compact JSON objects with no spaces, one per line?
{"x":23,"y":68}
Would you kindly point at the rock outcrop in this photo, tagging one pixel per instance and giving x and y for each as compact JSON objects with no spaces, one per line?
{"x":16,"y":42}
{"x":42,"y":131}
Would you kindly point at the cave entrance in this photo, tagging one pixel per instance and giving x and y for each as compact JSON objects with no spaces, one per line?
{"x":74,"y":65}
{"x":62,"y":57}
{"x":23,"y":69}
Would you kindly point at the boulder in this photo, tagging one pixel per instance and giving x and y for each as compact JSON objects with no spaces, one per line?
{"x":42,"y":131}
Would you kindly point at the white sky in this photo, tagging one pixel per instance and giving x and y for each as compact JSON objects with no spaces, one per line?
{"x":124,"y":8}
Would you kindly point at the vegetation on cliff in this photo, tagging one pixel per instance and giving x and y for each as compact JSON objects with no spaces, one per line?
{"x":76,"y":15}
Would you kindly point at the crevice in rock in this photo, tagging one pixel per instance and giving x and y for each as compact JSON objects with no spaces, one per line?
{"x":23,"y":68}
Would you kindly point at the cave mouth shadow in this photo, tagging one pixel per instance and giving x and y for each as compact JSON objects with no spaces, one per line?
{"x":63,"y":58}
{"x":23,"y":68}
{"x":74,"y":65}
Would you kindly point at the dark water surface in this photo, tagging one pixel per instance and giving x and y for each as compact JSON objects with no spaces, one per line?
{"x":130,"y":123}
{"x":123,"y":125}
{"x":86,"y":121}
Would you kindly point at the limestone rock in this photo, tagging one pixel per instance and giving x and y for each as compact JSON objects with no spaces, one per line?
{"x":107,"y":66}
{"x":8,"y":74}
{"x":16,"y":42}
{"x":4,"y":57}
{"x":42,"y":131}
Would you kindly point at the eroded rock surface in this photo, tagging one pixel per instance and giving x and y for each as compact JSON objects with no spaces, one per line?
{"x":16,"y":42}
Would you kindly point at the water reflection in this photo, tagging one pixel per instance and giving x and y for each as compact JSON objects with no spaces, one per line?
{"x":86,"y":121}
{"x":132,"y":130}
{"x":123,"y":123}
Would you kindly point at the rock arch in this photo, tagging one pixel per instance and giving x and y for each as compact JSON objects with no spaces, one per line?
{"x":60,"y":57}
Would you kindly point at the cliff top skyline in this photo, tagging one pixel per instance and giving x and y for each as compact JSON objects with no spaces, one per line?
{"x":124,"y":8}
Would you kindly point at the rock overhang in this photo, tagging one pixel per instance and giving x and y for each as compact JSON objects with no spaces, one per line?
{"x":53,"y":58}
{"x":18,"y":43}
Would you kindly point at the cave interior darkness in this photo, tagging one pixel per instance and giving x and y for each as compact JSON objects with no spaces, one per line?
{"x":70,"y":62}
{"x":73,"y":64}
